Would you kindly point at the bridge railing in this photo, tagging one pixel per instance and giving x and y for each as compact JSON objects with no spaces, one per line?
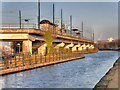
{"x":26,"y":59}
{"x":65,"y":33}
{"x":15,"y":25}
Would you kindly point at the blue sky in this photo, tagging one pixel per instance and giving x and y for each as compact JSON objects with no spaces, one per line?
{"x":100,"y":16}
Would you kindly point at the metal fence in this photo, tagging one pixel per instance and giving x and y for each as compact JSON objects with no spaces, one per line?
{"x":15,"y":25}
{"x":26,"y":59}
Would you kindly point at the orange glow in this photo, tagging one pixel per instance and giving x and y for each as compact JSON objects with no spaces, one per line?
{"x":110,"y":39}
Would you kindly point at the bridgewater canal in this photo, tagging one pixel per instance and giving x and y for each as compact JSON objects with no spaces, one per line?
{"x":82,"y":73}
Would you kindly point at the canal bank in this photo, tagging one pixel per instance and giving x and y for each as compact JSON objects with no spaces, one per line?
{"x":29,"y":67}
{"x":28,"y":62}
{"x":111,"y":78}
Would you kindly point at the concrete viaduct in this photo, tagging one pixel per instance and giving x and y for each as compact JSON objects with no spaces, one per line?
{"x":35,"y":38}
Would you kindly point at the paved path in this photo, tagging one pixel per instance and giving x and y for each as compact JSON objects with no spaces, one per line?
{"x":112,"y":77}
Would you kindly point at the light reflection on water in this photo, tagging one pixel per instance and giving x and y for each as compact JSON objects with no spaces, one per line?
{"x":83,"y":73}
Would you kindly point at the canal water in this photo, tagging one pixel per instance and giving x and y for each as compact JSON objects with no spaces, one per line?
{"x":82,"y":73}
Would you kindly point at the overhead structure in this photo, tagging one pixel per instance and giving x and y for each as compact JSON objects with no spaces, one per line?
{"x":61,"y":22}
{"x":20,"y":18}
{"x":38,"y":14}
{"x":82,"y":29}
{"x":71,"y":25}
{"x":53,"y":18}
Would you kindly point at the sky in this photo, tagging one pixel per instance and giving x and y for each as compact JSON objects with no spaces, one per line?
{"x":102,"y":17}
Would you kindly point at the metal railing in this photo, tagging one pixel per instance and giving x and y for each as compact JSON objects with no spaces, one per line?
{"x":34,"y":26}
{"x":26,"y":59}
{"x":15,"y":25}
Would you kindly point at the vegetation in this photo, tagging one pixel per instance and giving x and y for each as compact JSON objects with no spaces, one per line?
{"x":48,"y":40}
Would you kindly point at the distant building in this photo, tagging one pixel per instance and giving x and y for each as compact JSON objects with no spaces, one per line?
{"x":47,"y":25}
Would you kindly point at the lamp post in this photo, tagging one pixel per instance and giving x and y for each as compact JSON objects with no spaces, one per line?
{"x":19,"y":47}
{"x":27,"y":20}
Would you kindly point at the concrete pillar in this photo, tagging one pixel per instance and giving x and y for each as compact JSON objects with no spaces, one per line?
{"x":42,"y":49}
{"x":83,"y":47}
{"x":80,"y":48}
{"x":75,"y":47}
{"x":92,"y":47}
{"x":27,"y":46}
{"x":88,"y":46}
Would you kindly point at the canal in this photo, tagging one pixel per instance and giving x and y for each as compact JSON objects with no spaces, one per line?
{"x":82,"y":73}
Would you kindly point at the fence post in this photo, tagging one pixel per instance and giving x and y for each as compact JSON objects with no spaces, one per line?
{"x":15,"y":60}
{"x":40,"y":58}
{"x":10,"y":60}
{"x":23,"y":59}
{"x":65,"y":55}
{"x":6,"y":63}
{"x":53,"y":56}
{"x":74,"y":54}
{"x":19,"y":57}
{"x":56,"y":56}
{"x":77,"y":53}
{"x":35,"y":59}
{"x":69,"y":54}
{"x":49,"y":57}
{"x":62,"y":54}
{"x":45,"y":58}
{"x":29,"y":59}
{"x":59,"y":55}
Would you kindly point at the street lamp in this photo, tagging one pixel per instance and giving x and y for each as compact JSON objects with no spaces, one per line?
{"x":19,"y":47}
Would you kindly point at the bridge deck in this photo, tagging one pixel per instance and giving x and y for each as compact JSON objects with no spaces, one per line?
{"x":41,"y":33}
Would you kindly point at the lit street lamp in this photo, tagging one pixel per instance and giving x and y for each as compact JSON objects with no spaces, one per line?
{"x":19,"y":46}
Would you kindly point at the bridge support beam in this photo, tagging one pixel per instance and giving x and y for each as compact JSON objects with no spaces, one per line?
{"x":27,"y":46}
{"x":75,"y":47}
{"x":42,"y":49}
{"x":69,"y":45}
{"x":60,"y":45}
